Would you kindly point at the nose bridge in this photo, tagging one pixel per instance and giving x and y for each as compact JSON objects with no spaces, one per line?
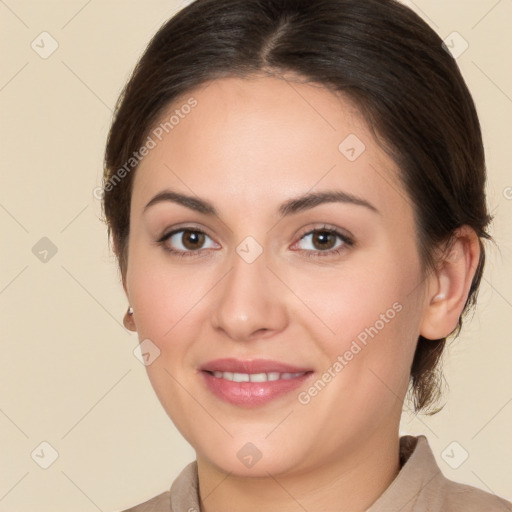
{"x":248,"y":276}
{"x":245,"y":304}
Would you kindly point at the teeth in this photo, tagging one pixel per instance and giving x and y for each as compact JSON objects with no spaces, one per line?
{"x":256,"y":377}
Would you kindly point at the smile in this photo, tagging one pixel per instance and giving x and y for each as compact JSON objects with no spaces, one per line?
{"x":251,"y":384}
{"x":256,"y":377}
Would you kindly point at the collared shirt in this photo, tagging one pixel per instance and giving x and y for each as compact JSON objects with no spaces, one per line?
{"x":419,"y":486}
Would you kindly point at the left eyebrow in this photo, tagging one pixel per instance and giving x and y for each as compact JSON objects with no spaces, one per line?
{"x":311,"y":200}
{"x":289,"y":207}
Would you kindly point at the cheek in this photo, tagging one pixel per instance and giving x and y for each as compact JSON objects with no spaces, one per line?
{"x":347,"y":303}
{"x":366,"y":322}
{"x":168,"y":302}
{"x":164,"y":297}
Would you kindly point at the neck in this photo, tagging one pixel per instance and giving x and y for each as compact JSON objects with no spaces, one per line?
{"x":352,"y":481}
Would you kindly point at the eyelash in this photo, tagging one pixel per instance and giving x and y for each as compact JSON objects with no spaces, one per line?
{"x":347,"y":242}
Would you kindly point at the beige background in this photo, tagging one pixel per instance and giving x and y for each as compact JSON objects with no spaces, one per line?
{"x":68,"y":373}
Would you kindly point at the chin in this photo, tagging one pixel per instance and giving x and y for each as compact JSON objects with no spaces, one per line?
{"x":250,"y":459}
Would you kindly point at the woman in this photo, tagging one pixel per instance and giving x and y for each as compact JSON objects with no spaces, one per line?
{"x":295,"y":194}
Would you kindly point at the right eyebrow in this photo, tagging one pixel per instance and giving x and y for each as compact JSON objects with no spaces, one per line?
{"x":199,"y":205}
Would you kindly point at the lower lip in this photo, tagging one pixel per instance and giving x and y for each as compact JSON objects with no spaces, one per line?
{"x":252,"y":394}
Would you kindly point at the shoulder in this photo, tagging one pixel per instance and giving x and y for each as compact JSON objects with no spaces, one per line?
{"x":160,"y":503}
{"x":438,"y":493}
{"x":458,"y":496}
{"x":447,"y":495}
{"x":420,"y":486}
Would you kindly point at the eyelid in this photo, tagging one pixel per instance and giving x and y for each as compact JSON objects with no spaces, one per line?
{"x":342,"y":233}
{"x":185,"y":227}
{"x":199,"y":253}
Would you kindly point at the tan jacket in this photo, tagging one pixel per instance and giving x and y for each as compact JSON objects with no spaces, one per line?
{"x":419,"y":487}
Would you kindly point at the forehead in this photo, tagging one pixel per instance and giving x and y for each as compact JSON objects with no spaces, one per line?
{"x":252,"y":141}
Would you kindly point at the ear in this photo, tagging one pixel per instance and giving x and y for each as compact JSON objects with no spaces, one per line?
{"x":129,"y":322}
{"x":449,"y":285}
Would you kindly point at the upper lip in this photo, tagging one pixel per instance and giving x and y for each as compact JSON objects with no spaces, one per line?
{"x":250,"y":366}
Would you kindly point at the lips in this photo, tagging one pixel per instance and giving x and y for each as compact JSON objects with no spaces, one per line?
{"x":252,"y":383}
{"x":251,"y":366}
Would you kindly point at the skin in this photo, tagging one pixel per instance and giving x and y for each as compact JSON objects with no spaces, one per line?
{"x":249,"y":145}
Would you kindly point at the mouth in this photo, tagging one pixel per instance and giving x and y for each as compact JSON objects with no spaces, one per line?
{"x":255,"y":377}
{"x":253,"y":366}
{"x":252,"y":383}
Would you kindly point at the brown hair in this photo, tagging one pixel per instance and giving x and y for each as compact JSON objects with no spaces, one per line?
{"x":377,"y":52}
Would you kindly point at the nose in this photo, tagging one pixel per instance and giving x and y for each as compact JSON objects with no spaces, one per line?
{"x":249,"y":303}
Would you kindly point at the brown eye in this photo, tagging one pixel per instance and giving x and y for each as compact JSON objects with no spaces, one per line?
{"x":192,"y":240}
{"x":187,"y":241}
{"x":323,"y":240}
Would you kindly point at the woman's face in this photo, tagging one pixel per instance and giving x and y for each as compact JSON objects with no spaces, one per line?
{"x":292,"y":242}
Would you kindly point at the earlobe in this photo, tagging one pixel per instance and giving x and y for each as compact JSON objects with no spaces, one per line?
{"x":128,"y":320}
{"x":438,"y":297}
{"x":449,"y":284}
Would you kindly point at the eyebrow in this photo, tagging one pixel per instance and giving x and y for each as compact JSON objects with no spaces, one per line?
{"x":289,"y":207}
